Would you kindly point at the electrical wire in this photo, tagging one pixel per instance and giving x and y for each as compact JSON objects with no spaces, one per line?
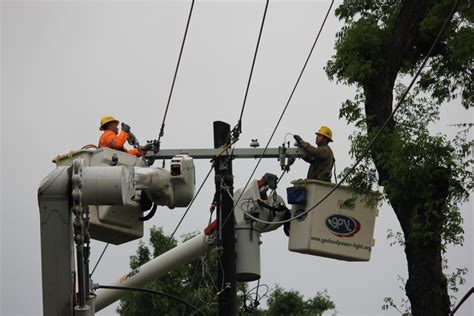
{"x":256,"y":302}
{"x":162,"y":129}
{"x":101,"y":255}
{"x":286,"y":135}
{"x":259,"y":286}
{"x":197,"y":193}
{"x":209,"y":286}
{"x":379,"y":132}
{"x":281,"y":176}
{"x":191,"y":283}
{"x":256,"y":290}
{"x":251,"y":69}
{"x":283,"y":112}
{"x":150,"y":214}
{"x":135,"y":289}
{"x":471,"y":291}
{"x":89,"y":146}
{"x":190,"y":204}
{"x":131,"y":303}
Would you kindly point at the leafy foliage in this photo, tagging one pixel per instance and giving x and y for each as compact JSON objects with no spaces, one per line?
{"x":282,"y":302}
{"x":403,"y":307}
{"x":193,"y":282}
{"x":196,"y":283}
{"x":418,"y":162}
{"x":367,"y":23}
{"x":455,"y":279}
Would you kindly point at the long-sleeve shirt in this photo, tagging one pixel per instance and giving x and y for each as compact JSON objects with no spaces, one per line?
{"x":111,"y":140}
{"x":321,"y":160}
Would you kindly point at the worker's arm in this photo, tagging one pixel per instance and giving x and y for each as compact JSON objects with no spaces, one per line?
{"x":109,"y":139}
{"x":306,"y":156}
{"x":312,"y":152}
{"x":134,"y":152}
{"x":120,"y":140}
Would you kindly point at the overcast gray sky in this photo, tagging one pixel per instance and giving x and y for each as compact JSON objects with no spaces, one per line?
{"x":66,"y":64}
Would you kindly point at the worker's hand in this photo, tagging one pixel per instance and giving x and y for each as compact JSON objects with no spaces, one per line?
{"x":298,"y":138}
{"x":147,"y":147}
{"x":132,"y":140}
{"x":126,"y":128}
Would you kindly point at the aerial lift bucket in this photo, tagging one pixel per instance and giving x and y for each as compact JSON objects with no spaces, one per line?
{"x":341,"y":227}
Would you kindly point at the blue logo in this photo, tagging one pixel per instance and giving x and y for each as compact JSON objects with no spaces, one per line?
{"x":342,"y":226}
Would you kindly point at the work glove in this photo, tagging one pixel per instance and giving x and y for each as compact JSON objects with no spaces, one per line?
{"x":126,"y":128}
{"x":147,"y":147}
{"x":132,"y":140}
{"x":298,"y":138}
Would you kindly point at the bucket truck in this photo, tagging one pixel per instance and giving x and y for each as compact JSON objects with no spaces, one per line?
{"x":102,"y":195}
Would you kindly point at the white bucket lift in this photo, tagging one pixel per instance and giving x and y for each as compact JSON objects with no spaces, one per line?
{"x":118,"y":224}
{"x":341,"y":227}
{"x":115,"y":224}
{"x":98,"y":194}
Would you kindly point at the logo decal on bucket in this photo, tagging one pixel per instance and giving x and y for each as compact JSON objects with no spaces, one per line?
{"x":342,"y":226}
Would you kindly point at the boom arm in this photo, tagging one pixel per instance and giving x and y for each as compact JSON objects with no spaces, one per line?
{"x":153,"y":269}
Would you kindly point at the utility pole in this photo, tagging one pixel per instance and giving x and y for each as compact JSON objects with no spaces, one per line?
{"x":225,"y":219}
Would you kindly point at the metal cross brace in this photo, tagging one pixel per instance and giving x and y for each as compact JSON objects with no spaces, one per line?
{"x":204,"y":153}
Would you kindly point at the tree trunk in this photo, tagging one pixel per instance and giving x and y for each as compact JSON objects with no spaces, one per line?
{"x":426,"y":286}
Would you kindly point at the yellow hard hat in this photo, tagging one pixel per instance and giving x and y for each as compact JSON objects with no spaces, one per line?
{"x":325,"y":131}
{"x":106,"y":119}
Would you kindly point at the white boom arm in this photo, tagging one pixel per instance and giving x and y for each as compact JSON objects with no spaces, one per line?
{"x":154,"y":269}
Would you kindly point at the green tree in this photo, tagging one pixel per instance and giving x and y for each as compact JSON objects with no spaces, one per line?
{"x":291,"y":303}
{"x":424,"y":177}
{"x":196,"y":283}
{"x":193,"y":282}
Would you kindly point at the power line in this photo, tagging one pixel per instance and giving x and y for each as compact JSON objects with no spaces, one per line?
{"x":162,"y":129}
{"x":281,"y":176}
{"x":284,"y":109}
{"x":191,"y":203}
{"x":239,"y":124}
{"x":379,"y":132}
{"x":198,"y":191}
{"x":471,"y":291}
{"x":101,"y":255}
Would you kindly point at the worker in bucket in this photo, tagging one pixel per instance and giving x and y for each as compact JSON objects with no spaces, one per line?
{"x":320,"y":158}
{"x":111,"y":137}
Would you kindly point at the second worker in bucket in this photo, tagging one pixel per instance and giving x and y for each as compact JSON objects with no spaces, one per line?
{"x":320,"y":158}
